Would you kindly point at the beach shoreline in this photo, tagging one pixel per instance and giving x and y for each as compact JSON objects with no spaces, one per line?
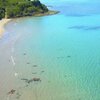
{"x":6,"y":20}
{"x":3,"y":22}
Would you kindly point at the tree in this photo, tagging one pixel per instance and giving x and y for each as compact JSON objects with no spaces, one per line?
{"x":18,"y":8}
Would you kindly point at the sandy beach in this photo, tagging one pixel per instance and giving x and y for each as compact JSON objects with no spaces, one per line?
{"x":2,"y":23}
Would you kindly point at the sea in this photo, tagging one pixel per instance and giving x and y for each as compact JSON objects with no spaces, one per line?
{"x":55,"y":57}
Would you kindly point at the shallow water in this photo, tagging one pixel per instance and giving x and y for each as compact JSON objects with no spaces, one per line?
{"x":62,"y":50}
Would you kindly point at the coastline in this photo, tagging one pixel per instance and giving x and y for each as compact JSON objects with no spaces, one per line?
{"x":50,"y":12}
{"x":2,"y":24}
{"x":6,"y":20}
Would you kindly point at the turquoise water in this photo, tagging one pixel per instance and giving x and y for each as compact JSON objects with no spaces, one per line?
{"x":62,"y":50}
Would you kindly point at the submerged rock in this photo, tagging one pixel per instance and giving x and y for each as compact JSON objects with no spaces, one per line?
{"x":24,"y":54}
{"x":24,"y":79}
{"x":35,"y":66}
{"x":11,"y":91}
{"x":28,"y":63}
{"x":31,"y":80}
{"x":68,"y":56}
{"x":34,"y":73}
{"x":36,"y":79}
{"x":42,"y":71}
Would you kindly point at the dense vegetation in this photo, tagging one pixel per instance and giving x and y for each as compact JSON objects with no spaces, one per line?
{"x":19,"y":8}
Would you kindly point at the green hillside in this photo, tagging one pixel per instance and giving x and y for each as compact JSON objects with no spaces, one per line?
{"x":20,"y":8}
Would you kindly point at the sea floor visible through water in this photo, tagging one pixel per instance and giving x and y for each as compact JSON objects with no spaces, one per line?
{"x":53,"y":57}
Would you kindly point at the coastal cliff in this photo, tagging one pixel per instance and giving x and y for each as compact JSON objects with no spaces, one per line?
{"x":16,"y":8}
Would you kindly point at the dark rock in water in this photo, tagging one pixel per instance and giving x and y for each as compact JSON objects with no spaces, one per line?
{"x":58,"y":57}
{"x":11,"y":91}
{"x":93,"y":28}
{"x":31,"y":80}
{"x":49,"y":81}
{"x":68,"y":56}
{"x":85,"y":27}
{"x":28,"y":63}
{"x":24,"y":79}
{"x":42,"y":71}
{"x":65,"y":75}
{"x":36,"y":79}
{"x":34,"y":73}
{"x":34,"y":65}
{"x":24,"y":54}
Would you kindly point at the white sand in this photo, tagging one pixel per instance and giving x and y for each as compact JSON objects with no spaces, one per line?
{"x":2,"y":23}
